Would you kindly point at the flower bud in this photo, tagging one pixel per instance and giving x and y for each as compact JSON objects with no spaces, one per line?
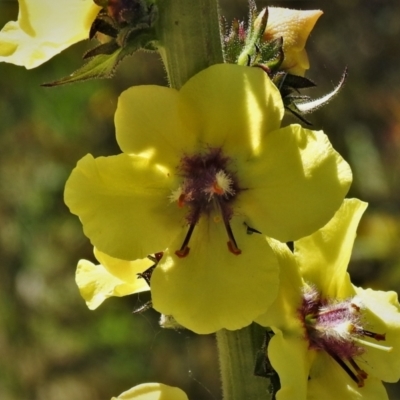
{"x":294,"y":26}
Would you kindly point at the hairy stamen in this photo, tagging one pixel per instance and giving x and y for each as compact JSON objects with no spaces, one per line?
{"x":220,"y":186}
{"x":336,"y":327}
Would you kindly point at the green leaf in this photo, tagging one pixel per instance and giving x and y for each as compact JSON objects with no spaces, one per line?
{"x":101,"y":66}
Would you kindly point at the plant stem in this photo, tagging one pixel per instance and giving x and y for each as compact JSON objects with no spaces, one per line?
{"x":237,"y":353}
{"x":189,"y":37}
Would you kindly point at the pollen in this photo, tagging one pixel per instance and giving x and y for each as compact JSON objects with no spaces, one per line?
{"x":221,"y":186}
{"x":344,"y":329}
{"x":176,"y":195}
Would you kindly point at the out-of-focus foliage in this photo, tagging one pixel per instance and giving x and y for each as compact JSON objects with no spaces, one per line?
{"x":51,"y":346}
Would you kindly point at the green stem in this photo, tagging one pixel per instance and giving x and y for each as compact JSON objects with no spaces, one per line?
{"x":189,"y":37}
{"x":237,"y":355}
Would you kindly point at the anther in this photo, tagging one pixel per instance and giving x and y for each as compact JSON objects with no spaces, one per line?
{"x":184,"y":250}
{"x":233,"y":248}
{"x":181,"y":200}
{"x":361,"y":374}
{"x":232,"y":245}
{"x":373,"y":335}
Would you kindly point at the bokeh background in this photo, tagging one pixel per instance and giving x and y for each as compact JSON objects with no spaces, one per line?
{"x":51,"y":346}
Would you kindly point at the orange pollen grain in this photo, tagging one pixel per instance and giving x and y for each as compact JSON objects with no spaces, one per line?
{"x":181,"y":200}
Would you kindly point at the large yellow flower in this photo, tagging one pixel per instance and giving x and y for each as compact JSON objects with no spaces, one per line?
{"x":44,"y":29}
{"x":341,"y":340}
{"x":204,"y":171}
{"x":294,"y":26}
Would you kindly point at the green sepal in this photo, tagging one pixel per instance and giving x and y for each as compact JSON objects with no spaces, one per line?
{"x":233,"y":42}
{"x":103,"y":24}
{"x":299,"y":105}
{"x":244,"y":43}
{"x":105,"y":48}
{"x":271,"y":54}
{"x":252,"y":46}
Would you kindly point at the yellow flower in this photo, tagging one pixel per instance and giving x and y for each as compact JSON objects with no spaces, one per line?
{"x":204,"y":171}
{"x":341,"y":340}
{"x":44,"y":29}
{"x":112,"y":277}
{"x":294,"y":26}
{"x":152,"y":391}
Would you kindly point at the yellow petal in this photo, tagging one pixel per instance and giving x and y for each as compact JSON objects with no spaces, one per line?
{"x":283,"y":313}
{"x":295,"y":185}
{"x":294,"y":26}
{"x":323,"y":257}
{"x":96,"y":284}
{"x":125,"y":270}
{"x":152,"y":391}
{"x":291,"y":359}
{"x":328,"y":381}
{"x":148,"y":120}
{"x":123,"y":203}
{"x":237,"y":107}
{"x":45,"y":28}
{"x":212,"y":288}
{"x":382,"y":315}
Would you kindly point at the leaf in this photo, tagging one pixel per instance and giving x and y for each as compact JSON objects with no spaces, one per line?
{"x":101,"y":66}
{"x":104,"y":65}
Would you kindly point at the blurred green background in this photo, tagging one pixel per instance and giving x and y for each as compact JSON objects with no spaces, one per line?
{"x":51,"y":346}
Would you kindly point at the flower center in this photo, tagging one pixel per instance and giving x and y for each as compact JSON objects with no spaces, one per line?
{"x":207,"y":185}
{"x":337,"y":328}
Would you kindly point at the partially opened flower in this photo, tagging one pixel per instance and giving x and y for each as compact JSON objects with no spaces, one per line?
{"x":45,"y":28}
{"x":295,"y":27}
{"x":204,"y":171}
{"x":112,"y":277}
{"x":341,"y":340}
{"x":152,"y":391}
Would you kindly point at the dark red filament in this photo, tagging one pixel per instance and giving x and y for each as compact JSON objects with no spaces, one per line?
{"x":184,"y":250}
